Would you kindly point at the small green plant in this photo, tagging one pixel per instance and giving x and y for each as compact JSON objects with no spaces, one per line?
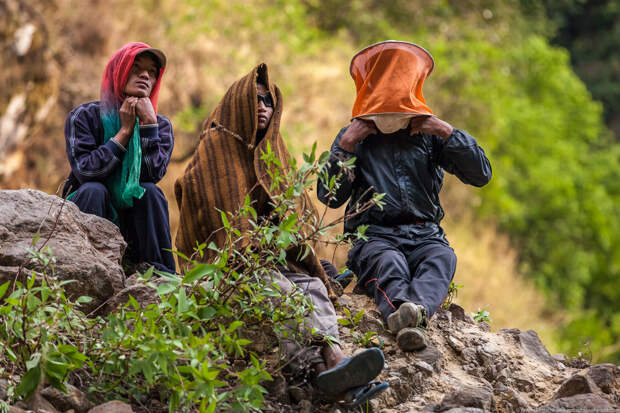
{"x":481,"y":315}
{"x":453,"y":292}
{"x":350,"y":320}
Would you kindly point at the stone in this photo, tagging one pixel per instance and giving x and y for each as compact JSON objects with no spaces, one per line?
{"x":455,"y":344}
{"x":14,"y":409}
{"x":72,"y":399}
{"x":424,"y":366}
{"x":430,"y":355}
{"x":114,"y":406}
{"x":533,"y":347}
{"x":458,"y":313}
{"x":466,"y":410}
{"x":509,"y":400}
{"x":478,"y":397}
{"x":305,"y":406}
{"x":605,"y":376}
{"x":578,"y":403}
{"x":87,"y":248}
{"x":3,"y":386}
{"x":577,"y":384}
{"x":297,"y":393}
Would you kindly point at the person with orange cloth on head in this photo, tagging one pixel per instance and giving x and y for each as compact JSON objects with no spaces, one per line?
{"x":401,"y":149}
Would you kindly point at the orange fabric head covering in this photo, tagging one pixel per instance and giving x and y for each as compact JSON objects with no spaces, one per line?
{"x":389,"y":77}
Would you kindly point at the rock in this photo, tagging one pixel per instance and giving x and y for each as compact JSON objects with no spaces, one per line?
{"x":114,"y":406}
{"x":577,"y":384}
{"x":455,"y":344}
{"x":276,"y":387}
{"x":142,"y":293}
{"x":578,"y":403}
{"x":305,"y":406}
{"x":533,"y":347}
{"x":430,"y":355}
{"x":39,"y":404}
{"x":466,"y":410}
{"x":605,"y":376}
{"x":72,"y":399}
{"x":3,"y":385}
{"x":509,"y":400}
{"x":523,"y":384}
{"x":478,"y":397}
{"x":424,"y":366}
{"x":458,"y":313}
{"x":13,"y":409}
{"x":87,"y":248}
{"x":298,"y":393}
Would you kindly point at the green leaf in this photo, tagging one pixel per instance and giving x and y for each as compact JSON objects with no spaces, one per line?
{"x":198,"y":272}
{"x":234,"y":325}
{"x":224,"y":220}
{"x":182,"y":305}
{"x":3,"y":288}
{"x":29,"y":382}
{"x":166,"y":288}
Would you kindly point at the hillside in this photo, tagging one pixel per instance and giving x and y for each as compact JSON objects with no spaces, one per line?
{"x":141,"y":338}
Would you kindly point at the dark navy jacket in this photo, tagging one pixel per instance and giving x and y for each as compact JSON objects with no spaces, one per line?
{"x":92,"y":160}
{"x":409,"y":170}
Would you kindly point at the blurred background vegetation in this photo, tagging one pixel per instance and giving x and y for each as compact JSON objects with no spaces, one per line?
{"x":535,"y":81}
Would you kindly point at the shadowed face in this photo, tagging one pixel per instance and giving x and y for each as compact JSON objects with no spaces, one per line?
{"x":142,"y":76}
{"x":264,"y":109}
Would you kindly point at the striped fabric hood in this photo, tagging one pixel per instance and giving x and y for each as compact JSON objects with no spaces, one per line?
{"x":226,"y":167}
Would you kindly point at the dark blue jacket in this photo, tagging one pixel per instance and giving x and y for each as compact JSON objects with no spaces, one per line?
{"x":92,"y":160}
{"x":409,"y":170}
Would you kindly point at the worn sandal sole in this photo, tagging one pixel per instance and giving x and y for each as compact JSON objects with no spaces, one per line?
{"x":412,"y":339}
{"x":352,"y":372}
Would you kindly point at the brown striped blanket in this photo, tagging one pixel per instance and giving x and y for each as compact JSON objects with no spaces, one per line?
{"x":226,"y":167}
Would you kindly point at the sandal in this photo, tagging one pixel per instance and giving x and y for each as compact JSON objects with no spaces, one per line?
{"x":360,"y":395}
{"x":352,"y":372}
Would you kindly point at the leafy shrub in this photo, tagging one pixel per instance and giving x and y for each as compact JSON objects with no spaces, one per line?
{"x":197,"y":347}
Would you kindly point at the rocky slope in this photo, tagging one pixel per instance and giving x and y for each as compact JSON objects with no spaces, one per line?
{"x":467,"y":368}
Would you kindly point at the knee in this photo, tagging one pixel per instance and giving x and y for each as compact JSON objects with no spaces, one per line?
{"x":392,"y":262}
{"x":93,"y":190}
{"x":152,"y":194}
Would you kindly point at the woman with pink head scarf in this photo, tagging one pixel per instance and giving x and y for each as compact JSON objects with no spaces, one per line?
{"x":119,"y":148}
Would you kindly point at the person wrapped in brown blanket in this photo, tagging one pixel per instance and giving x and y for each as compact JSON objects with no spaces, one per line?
{"x":226,"y":167}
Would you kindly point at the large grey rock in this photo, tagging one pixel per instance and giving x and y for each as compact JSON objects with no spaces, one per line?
{"x":533,"y":347}
{"x":579,"y":403}
{"x":72,"y":399}
{"x":87,"y":248}
{"x":606,"y":377}
{"x":114,"y":406}
{"x":477,"y":397}
{"x":577,"y":384}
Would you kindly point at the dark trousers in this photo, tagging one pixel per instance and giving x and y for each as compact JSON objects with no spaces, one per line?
{"x":396,"y":269}
{"x":145,"y":226}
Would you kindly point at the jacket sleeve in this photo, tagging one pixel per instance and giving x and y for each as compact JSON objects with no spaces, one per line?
{"x":157,"y":143}
{"x":331,"y":171}
{"x":460,"y":155}
{"x":89,"y":160}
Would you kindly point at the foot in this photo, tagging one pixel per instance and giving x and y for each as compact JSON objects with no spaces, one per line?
{"x":412,"y":339}
{"x":354,"y":371}
{"x":407,"y":315}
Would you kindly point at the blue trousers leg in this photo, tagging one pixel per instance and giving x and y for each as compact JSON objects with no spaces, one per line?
{"x":146,"y":228}
{"x":93,"y":198}
{"x":395,"y":270}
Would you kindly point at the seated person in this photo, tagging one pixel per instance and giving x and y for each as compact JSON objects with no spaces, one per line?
{"x":226,"y":166}
{"x":400,"y":150}
{"x":119,"y":148}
